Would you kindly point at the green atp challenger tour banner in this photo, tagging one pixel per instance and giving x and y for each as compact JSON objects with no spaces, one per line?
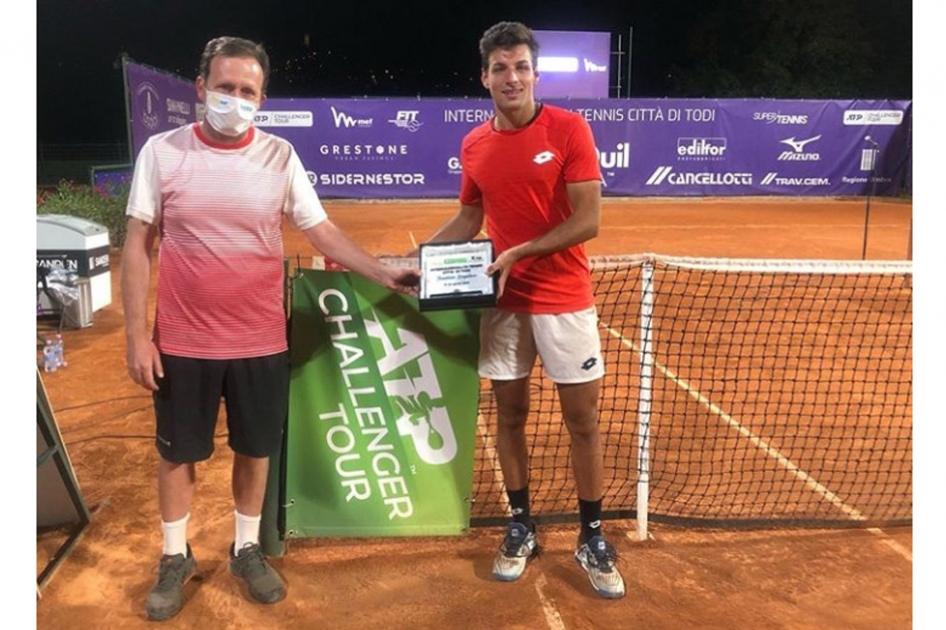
{"x":382,"y":412}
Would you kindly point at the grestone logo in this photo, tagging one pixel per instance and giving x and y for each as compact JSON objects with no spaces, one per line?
{"x":773,"y":178}
{"x":283,"y":119}
{"x":778,"y":118}
{"x":453,"y":165}
{"x":148,"y":99}
{"x":701,"y":149}
{"x":407,"y":119}
{"x":798,"y":153}
{"x":343,"y":120}
{"x":666,"y":174}
{"x":366,"y":152}
{"x":873,"y":117}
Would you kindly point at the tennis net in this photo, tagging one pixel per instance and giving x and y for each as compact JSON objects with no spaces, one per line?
{"x":739,"y":393}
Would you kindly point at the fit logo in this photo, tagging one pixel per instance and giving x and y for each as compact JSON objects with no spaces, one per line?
{"x":542,"y":158}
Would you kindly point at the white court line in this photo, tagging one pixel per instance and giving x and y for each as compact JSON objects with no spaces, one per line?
{"x":751,"y":226}
{"x":853,"y":513}
{"x":413,"y":241}
{"x":551,"y":614}
{"x":552,"y":618}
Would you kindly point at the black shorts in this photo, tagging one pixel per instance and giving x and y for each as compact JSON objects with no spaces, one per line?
{"x":256,"y":396}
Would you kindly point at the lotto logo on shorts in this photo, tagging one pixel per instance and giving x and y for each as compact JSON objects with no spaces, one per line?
{"x":589,"y":363}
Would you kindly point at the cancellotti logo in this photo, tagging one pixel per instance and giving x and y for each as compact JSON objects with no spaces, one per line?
{"x":701,"y":149}
{"x":873,"y":117}
{"x":364,"y":152}
{"x":407,"y":119}
{"x":798,"y":153}
{"x":665,"y":174}
{"x":147,"y":97}
{"x":345,"y":121}
{"x":772,"y":178}
{"x":778,"y":118}
{"x":366,"y":179}
{"x":283,"y":119}
{"x":453,"y":165}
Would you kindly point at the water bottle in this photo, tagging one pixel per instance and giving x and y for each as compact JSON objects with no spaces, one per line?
{"x":50,"y":363}
{"x":60,"y":351}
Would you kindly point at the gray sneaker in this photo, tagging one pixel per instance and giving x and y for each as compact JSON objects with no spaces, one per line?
{"x":597,"y":557}
{"x":167,"y":596}
{"x":265,"y":585}
{"x":518,"y":546}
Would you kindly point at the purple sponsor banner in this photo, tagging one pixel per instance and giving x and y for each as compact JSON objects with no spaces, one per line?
{"x":157,"y":101}
{"x":409,"y":148}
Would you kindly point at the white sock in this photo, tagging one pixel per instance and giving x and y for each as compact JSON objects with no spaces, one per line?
{"x":247,"y":530}
{"x":175,"y":536}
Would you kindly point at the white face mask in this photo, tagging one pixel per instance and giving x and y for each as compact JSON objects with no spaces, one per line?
{"x":229,"y":115}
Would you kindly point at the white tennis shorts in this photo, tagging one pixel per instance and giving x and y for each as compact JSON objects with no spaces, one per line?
{"x":569,"y":345}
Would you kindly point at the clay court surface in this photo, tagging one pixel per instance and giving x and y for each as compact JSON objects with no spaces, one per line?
{"x":680,"y":578}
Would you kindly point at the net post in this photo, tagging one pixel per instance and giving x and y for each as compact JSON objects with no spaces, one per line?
{"x":645,"y":396}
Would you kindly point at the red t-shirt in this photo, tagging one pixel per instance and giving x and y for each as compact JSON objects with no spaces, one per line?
{"x":519,"y":178}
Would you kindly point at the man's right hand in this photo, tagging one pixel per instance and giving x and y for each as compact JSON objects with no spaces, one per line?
{"x":144,"y":363}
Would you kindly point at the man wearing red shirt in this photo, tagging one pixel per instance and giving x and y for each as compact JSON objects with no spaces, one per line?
{"x":216,"y":192}
{"x":532,"y":173}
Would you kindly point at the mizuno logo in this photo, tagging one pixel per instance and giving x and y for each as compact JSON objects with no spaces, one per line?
{"x":798,"y":145}
{"x":542,"y":158}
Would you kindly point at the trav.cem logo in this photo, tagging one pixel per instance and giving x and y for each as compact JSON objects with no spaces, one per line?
{"x":407,"y":119}
{"x":283,"y":119}
{"x":707,"y":178}
{"x":542,"y":158}
{"x":873,"y":117}
{"x":147,"y":96}
{"x":772,"y":178}
{"x":344,"y":121}
{"x":701,"y":149}
{"x":798,"y":153}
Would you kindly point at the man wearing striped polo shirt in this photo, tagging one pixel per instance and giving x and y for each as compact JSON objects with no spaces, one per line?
{"x":216,"y":192}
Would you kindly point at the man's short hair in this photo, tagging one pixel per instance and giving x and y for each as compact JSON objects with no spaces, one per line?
{"x":234,"y":47}
{"x":506,"y":35}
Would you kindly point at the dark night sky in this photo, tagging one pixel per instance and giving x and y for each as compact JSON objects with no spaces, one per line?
{"x":426,"y":48}
{"x":430,"y":48}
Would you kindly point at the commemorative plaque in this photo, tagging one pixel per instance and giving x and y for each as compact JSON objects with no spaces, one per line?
{"x":453,"y":275}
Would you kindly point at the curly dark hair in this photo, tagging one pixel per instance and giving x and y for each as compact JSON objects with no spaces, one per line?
{"x":506,"y":35}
